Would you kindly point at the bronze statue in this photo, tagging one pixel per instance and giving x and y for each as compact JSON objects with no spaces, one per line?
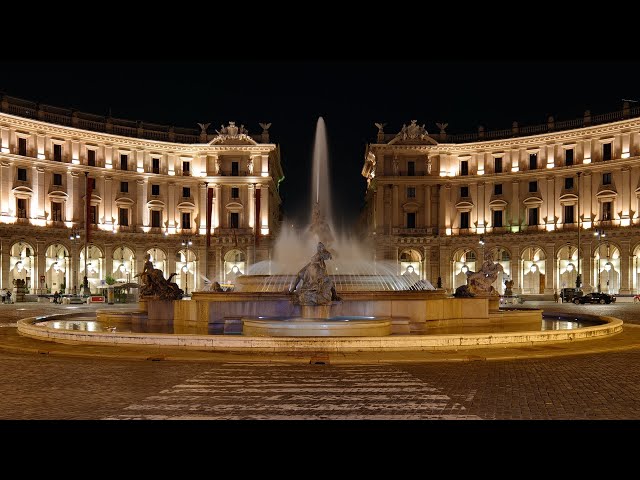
{"x":154,"y":284}
{"x":317,"y":286}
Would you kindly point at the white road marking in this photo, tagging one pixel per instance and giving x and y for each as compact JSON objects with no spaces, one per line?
{"x":247,"y":391}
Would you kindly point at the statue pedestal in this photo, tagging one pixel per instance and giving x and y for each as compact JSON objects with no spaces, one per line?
{"x":493,"y":302}
{"x":316,"y":311}
{"x":160,"y":310}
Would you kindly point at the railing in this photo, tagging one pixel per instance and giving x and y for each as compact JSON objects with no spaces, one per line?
{"x":233,"y":231}
{"x":409,"y":231}
{"x":519,"y":131}
{"x":89,"y":121}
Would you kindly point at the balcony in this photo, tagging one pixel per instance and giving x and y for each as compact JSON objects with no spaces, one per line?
{"x":409,"y":231}
{"x":233,"y":231}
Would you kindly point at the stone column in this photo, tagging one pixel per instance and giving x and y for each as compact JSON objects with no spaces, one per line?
{"x":445,"y":266}
{"x":481,"y":214}
{"x":426,"y":273}
{"x":265,"y":166}
{"x":74,"y":202}
{"x":626,"y":267}
{"x":171,"y":205}
{"x":108,"y":259}
{"x":447,"y":207}
{"x":251,"y":205}
{"x":75,"y":151}
{"x":394,"y":208}
{"x":551,"y":200}
{"x":5,"y":186}
{"x":427,"y":206}
{"x":586,"y":258}
{"x":515,"y":268}
{"x":5,"y":257}
{"x":625,"y":193}
{"x":40,"y":266}
{"x":141,"y":213}
{"x":139,"y":159}
{"x":585,"y":197}
{"x":550,"y":269}
{"x":202,"y":208}
{"x":108,"y":157}
{"x":217,"y":222}
{"x":515,"y":204}
{"x":37,"y":210}
{"x":5,"y":134}
{"x":219,"y":265}
{"x":264,"y":208}
{"x":109,"y":198}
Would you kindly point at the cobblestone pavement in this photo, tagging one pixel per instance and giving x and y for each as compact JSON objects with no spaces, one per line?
{"x":588,"y":386}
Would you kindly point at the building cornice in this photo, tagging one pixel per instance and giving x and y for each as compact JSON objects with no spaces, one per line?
{"x":72,"y":133}
{"x":530,"y":141}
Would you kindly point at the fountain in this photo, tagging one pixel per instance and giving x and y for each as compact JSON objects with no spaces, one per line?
{"x":340,"y":292}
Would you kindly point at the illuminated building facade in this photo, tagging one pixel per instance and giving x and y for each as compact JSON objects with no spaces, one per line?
{"x":142,"y":189}
{"x":528,"y":196}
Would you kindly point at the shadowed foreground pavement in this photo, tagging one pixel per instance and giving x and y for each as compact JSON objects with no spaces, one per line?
{"x":586,"y":380}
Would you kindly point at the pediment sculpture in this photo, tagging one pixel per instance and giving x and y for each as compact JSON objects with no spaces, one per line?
{"x":232,"y":134}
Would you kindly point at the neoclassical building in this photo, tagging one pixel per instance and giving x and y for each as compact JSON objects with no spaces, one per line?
{"x":84,"y":194}
{"x":549,"y":202}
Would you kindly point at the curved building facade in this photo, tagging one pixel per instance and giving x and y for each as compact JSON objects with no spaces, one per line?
{"x":87,"y":195}
{"x":555,"y":204}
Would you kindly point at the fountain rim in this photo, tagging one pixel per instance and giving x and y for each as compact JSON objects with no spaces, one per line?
{"x":260,"y":345}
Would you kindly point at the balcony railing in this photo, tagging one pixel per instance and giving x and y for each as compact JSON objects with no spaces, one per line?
{"x":409,"y":231}
{"x":233,"y":231}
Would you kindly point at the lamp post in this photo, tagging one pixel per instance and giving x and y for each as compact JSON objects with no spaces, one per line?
{"x":85,"y":280}
{"x":600,"y":233}
{"x":481,"y":242}
{"x":74,"y":236}
{"x":186,"y":242}
{"x":578,"y":277}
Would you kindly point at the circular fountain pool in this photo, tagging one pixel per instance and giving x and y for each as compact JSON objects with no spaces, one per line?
{"x":82,"y":329}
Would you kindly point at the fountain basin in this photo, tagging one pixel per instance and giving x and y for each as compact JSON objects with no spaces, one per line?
{"x":316,"y":327}
{"x":43,"y":328}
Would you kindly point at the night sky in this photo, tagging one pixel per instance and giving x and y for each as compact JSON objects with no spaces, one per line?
{"x":350,"y":95}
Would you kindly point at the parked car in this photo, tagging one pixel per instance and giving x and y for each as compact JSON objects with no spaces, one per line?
{"x":595,"y":297}
{"x":569,"y":294}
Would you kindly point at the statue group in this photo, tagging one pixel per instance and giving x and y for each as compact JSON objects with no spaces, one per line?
{"x":480,"y":283}
{"x":316,"y":286}
{"x":154,"y":284}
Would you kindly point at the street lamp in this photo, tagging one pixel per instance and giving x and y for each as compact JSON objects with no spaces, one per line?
{"x":481,"y":242}
{"x":600,"y":233}
{"x":74,"y":236}
{"x":578,"y":277}
{"x":185,"y":270}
